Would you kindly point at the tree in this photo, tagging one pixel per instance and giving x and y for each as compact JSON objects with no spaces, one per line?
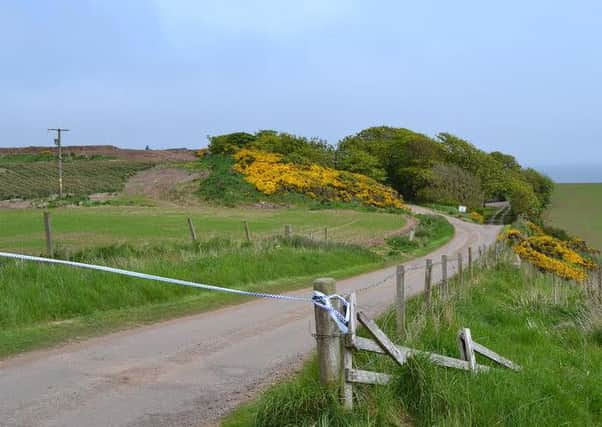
{"x":406,"y":157}
{"x":229,"y":143}
{"x":296,"y":149}
{"x":452,"y":185}
{"x":358,"y":161}
{"x":542,"y":185}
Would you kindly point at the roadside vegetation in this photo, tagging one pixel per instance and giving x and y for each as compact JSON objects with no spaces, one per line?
{"x":555,"y":335}
{"x":552,"y":250}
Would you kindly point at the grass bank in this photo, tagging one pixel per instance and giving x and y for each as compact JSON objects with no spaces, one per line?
{"x":557,"y":341}
{"x":576,"y":208}
{"x":41,"y":305}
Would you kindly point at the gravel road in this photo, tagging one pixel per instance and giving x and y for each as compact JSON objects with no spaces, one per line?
{"x":188,"y":371}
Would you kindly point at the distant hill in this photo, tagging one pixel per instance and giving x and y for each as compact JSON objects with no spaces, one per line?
{"x":32,"y":172}
{"x":173,"y":155}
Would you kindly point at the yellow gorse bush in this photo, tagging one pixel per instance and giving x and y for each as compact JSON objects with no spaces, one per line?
{"x":549,"y":253}
{"x":270,"y":174}
{"x":477,"y":217}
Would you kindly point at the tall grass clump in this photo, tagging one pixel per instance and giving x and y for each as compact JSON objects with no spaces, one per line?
{"x":36,"y":295}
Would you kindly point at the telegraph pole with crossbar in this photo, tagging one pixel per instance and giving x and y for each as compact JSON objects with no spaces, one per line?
{"x":57,"y":142}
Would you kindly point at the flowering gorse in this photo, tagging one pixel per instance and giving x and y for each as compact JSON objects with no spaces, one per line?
{"x":549,"y":253}
{"x":270,"y":174}
{"x":477,"y":217}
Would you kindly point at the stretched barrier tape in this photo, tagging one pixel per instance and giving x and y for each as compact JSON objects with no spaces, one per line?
{"x":319,"y":299}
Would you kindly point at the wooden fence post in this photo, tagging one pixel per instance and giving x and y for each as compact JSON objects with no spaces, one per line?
{"x":470,"y":259}
{"x":326,"y":234}
{"x":444,"y":283}
{"x":328,"y":336}
{"x":48,"y":231}
{"x":600,"y":283}
{"x":428,"y":281}
{"x":460,"y":269}
{"x":247,"y":233}
{"x":347,"y":387}
{"x":192,"y":230}
{"x":288,"y":229}
{"x":401,"y":300}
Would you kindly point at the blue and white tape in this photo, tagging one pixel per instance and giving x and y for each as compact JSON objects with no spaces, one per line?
{"x":319,"y":299}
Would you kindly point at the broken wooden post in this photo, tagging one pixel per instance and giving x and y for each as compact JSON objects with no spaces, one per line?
{"x":492,"y":355}
{"x":192,"y":230}
{"x":428,"y":281}
{"x":401,"y":300}
{"x":328,"y":336}
{"x":466,"y":348}
{"x":288,"y":230}
{"x":247,"y":233}
{"x":444,"y":283}
{"x":48,"y":231}
{"x":346,"y":386}
{"x":382,"y":339}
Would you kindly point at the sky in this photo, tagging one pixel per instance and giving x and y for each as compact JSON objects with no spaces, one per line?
{"x":520,"y":77}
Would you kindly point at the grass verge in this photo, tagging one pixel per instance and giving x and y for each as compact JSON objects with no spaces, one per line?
{"x":556,"y":339}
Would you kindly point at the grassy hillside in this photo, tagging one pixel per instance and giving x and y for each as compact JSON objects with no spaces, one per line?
{"x":578,"y":209}
{"x":32,"y":179}
{"x":556,"y":340}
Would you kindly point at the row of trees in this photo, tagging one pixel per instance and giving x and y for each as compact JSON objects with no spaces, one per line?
{"x":444,"y":169}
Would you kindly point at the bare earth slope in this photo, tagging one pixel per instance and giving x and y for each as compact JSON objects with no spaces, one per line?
{"x":185,"y":372}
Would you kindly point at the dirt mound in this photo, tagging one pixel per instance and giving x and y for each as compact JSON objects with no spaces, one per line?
{"x":159,"y":183}
{"x":173,"y":155}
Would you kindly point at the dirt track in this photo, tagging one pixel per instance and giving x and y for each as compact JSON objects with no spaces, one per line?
{"x":184,"y":372}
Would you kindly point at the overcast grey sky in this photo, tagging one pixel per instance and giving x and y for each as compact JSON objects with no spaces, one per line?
{"x":520,"y":77}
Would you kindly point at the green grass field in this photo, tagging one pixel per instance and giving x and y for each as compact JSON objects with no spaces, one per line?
{"x":578,"y":209}
{"x":76,"y":228}
{"x":558,"y":343}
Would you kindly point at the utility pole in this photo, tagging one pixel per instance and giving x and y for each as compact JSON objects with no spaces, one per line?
{"x":57,"y":142}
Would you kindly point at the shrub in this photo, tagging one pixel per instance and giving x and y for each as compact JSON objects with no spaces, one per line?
{"x":477,"y":217}
{"x":549,"y":253}
{"x":270,"y":174}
